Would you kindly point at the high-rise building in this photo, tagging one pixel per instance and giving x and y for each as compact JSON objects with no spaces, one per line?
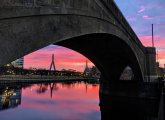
{"x":18,"y":63}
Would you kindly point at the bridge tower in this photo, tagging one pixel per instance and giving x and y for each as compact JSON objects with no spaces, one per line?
{"x":52,"y":65}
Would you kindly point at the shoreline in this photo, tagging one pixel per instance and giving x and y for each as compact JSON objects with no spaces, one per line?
{"x":38,"y":79}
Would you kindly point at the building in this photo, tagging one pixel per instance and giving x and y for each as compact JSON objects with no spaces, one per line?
{"x":19,"y":63}
{"x":93,"y":71}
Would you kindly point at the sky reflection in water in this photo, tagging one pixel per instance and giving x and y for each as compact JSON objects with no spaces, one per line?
{"x":74,"y":101}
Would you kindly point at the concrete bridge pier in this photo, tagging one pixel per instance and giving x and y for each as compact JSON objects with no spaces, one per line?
{"x":151,"y":64}
{"x":110,"y":82}
{"x":116,"y":108}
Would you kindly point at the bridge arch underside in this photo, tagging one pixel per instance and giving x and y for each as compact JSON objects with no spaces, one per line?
{"x":109,"y":53}
{"x":96,"y":38}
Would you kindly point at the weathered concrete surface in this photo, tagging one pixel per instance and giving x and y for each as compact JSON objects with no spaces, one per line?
{"x":95,"y":28}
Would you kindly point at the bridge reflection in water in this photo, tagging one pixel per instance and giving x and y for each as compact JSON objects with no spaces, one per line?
{"x":71,"y":101}
{"x":118,"y":108}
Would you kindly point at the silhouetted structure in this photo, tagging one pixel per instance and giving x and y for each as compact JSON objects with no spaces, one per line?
{"x":52,"y":63}
{"x":87,"y":69}
{"x":91,"y":71}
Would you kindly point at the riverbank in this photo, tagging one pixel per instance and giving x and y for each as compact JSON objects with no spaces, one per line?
{"x":37,"y":79}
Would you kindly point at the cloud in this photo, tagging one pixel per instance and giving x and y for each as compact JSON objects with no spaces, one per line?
{"x":147,"y":17}
{"x":147,"y":12}
{"x":142,"y":9}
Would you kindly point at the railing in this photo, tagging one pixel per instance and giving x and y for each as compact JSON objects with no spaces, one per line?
{"x":112,"y":7}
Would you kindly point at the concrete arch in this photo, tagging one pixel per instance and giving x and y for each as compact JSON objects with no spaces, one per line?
{"x":23,"y":35}
{"x":108,"y":52}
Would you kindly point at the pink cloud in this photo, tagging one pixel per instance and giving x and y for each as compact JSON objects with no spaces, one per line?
{"x":147,"y":17}
{"x":142,"y":9}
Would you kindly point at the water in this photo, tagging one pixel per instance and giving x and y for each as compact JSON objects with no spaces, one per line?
{"x":71,"y":101}
{"x":50,"y":101}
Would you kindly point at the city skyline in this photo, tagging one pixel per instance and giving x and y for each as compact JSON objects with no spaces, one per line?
{"x":139,"y":13}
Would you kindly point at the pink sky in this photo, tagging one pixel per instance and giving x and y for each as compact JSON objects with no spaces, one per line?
{"x":140,"y":15}
{"x":64,"y":58}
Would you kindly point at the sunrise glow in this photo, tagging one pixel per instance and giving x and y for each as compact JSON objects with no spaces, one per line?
{"x":140,"y":14}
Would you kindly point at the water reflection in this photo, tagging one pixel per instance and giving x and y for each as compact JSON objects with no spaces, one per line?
{"x":10,"y":97}
{"x":70,"y":101}
{"x":52,"y":101}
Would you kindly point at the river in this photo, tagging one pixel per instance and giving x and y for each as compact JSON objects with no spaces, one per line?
{"x":74,"y":100}
{"x":50,"y":101}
